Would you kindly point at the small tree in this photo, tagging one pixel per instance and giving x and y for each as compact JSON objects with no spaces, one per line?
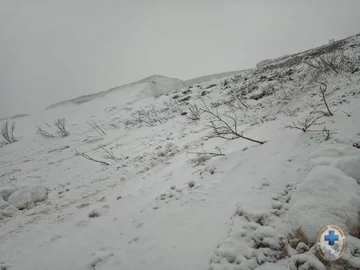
{"x":60,"y":125}
{"x":225,"y":126}
{"x":7,"y":132}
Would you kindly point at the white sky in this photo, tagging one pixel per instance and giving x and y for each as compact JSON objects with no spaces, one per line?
{"x":56,"y":50}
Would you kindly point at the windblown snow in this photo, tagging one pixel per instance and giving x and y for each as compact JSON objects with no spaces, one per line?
{"x":239,"y":172}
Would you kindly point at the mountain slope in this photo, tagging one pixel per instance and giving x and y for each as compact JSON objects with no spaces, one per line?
{"x":152,"y":86}
{"x":160,"y":187}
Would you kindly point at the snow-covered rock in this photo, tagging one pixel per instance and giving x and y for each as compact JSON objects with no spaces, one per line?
{"x":24,"y":198}
{"x":326,"y":196}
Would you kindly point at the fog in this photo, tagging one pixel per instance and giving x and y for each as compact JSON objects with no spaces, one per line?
{"x":56,"y":50}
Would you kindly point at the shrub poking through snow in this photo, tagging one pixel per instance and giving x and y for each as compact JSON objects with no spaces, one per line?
{"x":94,"y":213}
{"x":356,"y":145}
{"x":194,"y":112}
{"x":191,"y":184}
{"x":204,"y":156}
{"x":306,"y":262}
{"x":172,"y":105}
{"x":332,"y":62}
{"x":60,"y":124}
{"x":306,"y":123}
{"x":149,"y":117}
{"x":225,"y":126}
{"x":323,"y":88}
{"x":7,"y":132}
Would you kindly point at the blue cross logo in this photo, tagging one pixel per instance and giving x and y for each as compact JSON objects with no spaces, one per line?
{"x":331,"y":238}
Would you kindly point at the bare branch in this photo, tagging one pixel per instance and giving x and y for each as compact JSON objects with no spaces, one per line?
{"x":202,"y":157}
{"x":97,"y":128}
{"x":327,"y":133}
{"x":44,"y":133}
{"x":89,"y":158}
{"x":323,"y":88}
{"x":194,"y":112}
{"x":223,"y":128}
{"x":110,"y":154}
{"x":60,"y":125}
{"x":348,"y":114}
{"x":219,"y":153}
{"x":306,"y":123}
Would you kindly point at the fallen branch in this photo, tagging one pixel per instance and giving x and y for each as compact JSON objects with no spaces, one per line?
{"x":348,"y":114}
{"x":89,"y":158}
{"x":97,"y":128}
{"x":223,"y":128}
{"x":219,"y":153}
{"x":43,"y":132}
{"x":110,"y":154}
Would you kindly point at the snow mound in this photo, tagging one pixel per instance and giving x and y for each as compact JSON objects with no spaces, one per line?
{"x":350,"y":166}
{"x":159,"y":85}
{"x":335,"y":150}
{"x":152,"y":86}
{"x":312,"y":206}
{"x":24,"y":198}
{"x":305,"y":262}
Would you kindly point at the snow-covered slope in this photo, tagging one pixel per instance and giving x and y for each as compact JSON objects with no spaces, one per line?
{"x":150,"y":186}
{"x":207,"y":78}
{"x":152,"y":86}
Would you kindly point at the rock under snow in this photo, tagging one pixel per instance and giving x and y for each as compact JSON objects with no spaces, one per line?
{"x":24,"y":198}
{"x":326,"y":196}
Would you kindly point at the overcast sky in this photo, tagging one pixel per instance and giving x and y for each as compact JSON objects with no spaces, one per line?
{"x":56,"y":50}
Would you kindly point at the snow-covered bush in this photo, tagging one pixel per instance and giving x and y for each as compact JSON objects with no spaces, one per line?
{"x":60,"y":125}
{"x":334,"y":62}
{"x":7,"y":132}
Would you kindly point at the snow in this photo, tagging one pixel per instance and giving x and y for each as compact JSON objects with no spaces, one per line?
{"x":27,"y":196}
{"x":168,"y":200}
{"x":326,"y":196}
